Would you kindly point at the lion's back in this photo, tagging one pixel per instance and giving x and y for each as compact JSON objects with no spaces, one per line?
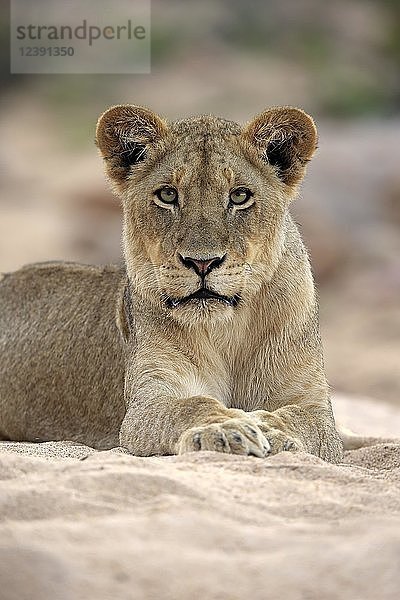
{"x":61,"y":358}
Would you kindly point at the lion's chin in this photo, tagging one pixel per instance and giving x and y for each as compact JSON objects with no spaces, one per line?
{"x":203,"y":313}
{"x":203,"y":306}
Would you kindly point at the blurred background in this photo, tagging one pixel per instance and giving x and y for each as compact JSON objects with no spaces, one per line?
{"x":338,"y":60}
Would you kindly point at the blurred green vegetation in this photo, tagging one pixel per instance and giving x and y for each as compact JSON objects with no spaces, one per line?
{"x":349,"y":51}
{"x":352,"y":77}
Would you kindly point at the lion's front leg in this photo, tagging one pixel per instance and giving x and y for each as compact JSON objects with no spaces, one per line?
{"x":168,"y":425}
{"x":294,"y":428}
{"x":171,"y":410}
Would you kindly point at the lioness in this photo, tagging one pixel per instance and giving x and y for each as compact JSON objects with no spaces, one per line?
{"x":218,"y":345}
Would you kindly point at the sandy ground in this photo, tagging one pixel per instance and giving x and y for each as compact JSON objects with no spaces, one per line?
{"x":76,"y":523}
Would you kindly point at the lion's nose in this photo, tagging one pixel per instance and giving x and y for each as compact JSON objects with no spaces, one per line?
{"x":202,"y":266}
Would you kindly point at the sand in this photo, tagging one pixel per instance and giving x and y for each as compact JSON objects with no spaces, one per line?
{"x":80,"y":524}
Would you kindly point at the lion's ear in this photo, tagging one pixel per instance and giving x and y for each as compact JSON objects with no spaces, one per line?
{"x":124,"y":134}
{"x":286,"y":138}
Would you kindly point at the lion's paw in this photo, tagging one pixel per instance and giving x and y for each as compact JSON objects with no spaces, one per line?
{"x":281,"y":441}
{"x":234,"y":436}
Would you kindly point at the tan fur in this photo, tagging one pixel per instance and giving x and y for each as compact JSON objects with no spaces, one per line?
{"x":61,"y":359}
{"x":243,"y":376}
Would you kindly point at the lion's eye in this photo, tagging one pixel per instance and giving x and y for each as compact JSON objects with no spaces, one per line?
{"x":167,"y":194}
{"x":240,"y":195}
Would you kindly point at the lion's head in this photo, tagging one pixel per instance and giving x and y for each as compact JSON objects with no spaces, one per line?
{"x":205,"y":202}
